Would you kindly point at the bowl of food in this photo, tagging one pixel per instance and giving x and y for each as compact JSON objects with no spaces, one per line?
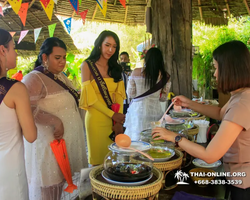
{"x":160,"y":153}
{"x":202,"y":176}
{"x":202,"y":164}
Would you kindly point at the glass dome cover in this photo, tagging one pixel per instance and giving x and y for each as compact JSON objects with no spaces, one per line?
{"x":125,"y":165}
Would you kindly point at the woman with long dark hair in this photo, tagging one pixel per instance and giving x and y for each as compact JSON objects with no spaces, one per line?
{"x":232,"y":141}
{"x":55,"y":107}
{"x":147,"y":109}
{"x":102,"y":68}
{"x":16,"y":121}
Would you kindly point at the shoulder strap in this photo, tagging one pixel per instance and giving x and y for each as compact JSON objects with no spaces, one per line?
{"x":154,"y":89}
{"x":100,"y":83}
{"x":5,"y":85}
{"x":59,"y":82}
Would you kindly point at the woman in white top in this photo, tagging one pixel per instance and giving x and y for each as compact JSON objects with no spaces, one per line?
{"x":16,"y":121}
{"x":148,"y":109}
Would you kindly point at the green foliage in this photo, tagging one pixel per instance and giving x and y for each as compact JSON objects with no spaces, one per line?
{"x":210,"y":37}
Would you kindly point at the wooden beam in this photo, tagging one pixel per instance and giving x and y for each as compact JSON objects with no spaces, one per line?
{"x":247,"y":7}
{"x":228,"y":10}
{"x":37,"y":19}
{"x":126,"y":14}
{"x":32,"y":2}
{"x":93,"y":17}
{"x":73,"y":14}
{"x":115,"y":2}
{"x":200,"y":9}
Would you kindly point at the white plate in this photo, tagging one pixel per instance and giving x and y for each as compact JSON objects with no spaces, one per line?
{"x":201,"y":163}
{"x":125,"y":183}
{"x":176,"y":121}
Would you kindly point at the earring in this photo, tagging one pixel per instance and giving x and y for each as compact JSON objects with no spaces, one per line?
{"x":45,"y":65}
{"x":7,"y":69}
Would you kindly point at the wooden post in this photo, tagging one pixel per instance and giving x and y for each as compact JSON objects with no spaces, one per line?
{"x":247,"y":7}
{"x":200,"y":9}
{"x":228,"y":9}
{"x":126,"y":14}
{"x":171,"y":32}
{"x":93,"y":17}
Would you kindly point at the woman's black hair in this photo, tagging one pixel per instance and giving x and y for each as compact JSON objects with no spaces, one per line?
{"x":154,"y":65}
{"x":5,"y":38}
{"x":233,"y":60}
{"x":47,"y":48}
{"x":114,"y":70}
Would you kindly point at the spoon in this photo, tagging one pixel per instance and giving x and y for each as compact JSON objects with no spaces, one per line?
{"x":124,"y":141}
{"x":167,"y":111}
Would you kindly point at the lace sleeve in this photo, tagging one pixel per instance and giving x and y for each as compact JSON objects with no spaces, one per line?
{"x":131,"y":88}
{"x":165,"y":91}
{"x":37,"y":91}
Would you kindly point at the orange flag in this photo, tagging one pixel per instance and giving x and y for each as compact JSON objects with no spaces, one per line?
{"x":12,"y":33}
{"x":1,"y":11}
{"x":123,"y":2}
{"x":23,"y":12}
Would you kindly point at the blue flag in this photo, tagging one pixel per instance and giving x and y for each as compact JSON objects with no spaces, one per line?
{"x":75,"y":5}
{"x":67,"y":23}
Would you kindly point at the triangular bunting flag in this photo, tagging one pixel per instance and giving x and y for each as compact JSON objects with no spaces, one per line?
{"x":12,"y":33}
{"x":80,"y":2}
{"x":45,"y":3}
{"x":123,"y":2}
{"x":22,"y":35}
{"x":23,"y":12}
{"x":52,"y":28}
{"x":55,"y":1}
{"x":16,"y":5}
{"x":67,"y":23}
{"x":1,"y":11}
{"x":104,"y":8}
{"x":100,"y":3}
{"x":75,"y":5}
{"x":37,"y":33}
{"x":83,"y":15}
{"x":49,"y":9}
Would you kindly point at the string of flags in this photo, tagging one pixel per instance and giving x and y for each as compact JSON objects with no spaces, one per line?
{"x":21,"y":10}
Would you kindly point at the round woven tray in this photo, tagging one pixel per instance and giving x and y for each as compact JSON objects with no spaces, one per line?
{"x":125,"y":192}
{"x":171,"y":164}
{"x":195,"y":118}
{"x":194,"y":130}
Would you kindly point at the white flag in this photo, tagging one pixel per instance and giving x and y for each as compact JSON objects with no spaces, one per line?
{"x":22,"y":35}
{"x":37,"y":33}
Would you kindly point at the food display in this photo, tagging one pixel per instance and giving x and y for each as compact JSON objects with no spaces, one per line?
{"x":159,"y":153}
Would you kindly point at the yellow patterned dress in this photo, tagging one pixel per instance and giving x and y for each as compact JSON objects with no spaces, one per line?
{"x":98,"y":119}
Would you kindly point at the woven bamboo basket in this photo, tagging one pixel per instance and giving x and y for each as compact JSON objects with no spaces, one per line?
{"x":172,"y":164}
{"x":196,"y":118}
{"x":194,"y":131}
{"x":109,"y":191}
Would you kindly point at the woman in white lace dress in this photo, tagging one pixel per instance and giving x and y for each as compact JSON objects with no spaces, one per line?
{"x":56,"y":116}
{"x":148,"y":109}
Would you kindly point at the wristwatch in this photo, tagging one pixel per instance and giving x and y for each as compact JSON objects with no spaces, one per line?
{"x":177,"y":139}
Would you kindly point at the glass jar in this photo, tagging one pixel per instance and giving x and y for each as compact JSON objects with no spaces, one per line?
{"x":125,"y":165}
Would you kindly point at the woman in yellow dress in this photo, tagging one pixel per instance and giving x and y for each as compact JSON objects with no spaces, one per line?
{"x":98,"y":119}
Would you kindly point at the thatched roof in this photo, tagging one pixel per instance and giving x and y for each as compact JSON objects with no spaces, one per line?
{"x":36,"y":18}
{"x":214,"y":12}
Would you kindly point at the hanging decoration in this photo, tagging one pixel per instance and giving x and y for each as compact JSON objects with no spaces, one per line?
{"x":49,"y":9}
{"x":23,"y":12}
{"x":123,"y":2}
{"x":45,"y":3}
{"x":102,"y":4}
{"x":22,"y":35}
{"x":55,"y":1}
{"x":37,"y":33}
{"x":75,"y":5}
{"x":67,"y":23}
{"x":80,"y":2}
{"x":52,"y":28}
{"x":83,"y":15}
{"x":1,"y":11}
{"x":12,"y":33}
{"x":15,"y":5}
